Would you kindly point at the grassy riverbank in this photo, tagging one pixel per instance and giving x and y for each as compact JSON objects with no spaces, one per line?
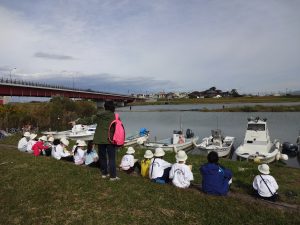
{"x":253,"y":99}
{"x":45,"y":191}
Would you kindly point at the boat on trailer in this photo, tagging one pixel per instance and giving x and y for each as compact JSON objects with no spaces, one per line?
{"x":216,"y":142}
{"x":177,"y":142}
{"x":257,"y":145}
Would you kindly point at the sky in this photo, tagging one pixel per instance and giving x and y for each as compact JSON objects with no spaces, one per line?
{"x":143,"y":46}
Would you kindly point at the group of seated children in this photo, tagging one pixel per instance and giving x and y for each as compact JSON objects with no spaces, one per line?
{"x":82,"y":153}
{"x":216,"y":179}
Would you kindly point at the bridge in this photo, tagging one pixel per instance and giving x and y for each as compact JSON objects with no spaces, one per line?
{"x":32,"y":89}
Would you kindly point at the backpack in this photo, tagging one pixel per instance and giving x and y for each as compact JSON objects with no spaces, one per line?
{"x":145,"y":165}
{"x":119,"y":134}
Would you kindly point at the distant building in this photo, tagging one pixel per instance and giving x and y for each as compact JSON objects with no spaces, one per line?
{"x":4,"y":100}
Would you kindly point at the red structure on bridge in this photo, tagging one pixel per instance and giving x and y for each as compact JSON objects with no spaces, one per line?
{"x":30,"y":89}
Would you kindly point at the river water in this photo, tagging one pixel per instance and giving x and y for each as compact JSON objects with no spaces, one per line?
{"x":284,"y":126}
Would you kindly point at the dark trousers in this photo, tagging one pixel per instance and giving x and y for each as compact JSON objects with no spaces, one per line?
{"x":273,"y":198}
{"x":165,"y":176}
{"x":94,"y":164}
{"x":132,"y":169}
{"x":105,"y":150}
{"x":68,"y":158}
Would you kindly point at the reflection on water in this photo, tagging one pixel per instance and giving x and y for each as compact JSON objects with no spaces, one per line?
{"x":284,"y":126}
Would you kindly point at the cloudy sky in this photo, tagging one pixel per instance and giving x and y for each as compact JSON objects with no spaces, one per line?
{"x":153,"y":45}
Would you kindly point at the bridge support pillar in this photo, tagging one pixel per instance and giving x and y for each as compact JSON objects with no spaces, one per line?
{"x":120,"y":104}
{"x":100,"y":104}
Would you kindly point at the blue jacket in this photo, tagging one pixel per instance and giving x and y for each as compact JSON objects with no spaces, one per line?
{"x":215,"y":179}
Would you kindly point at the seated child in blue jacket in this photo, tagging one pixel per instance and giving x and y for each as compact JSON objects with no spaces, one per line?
{"x":215,"y":178}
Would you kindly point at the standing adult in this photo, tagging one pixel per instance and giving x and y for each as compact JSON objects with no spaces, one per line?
{"x":215,"y":178}
{"x":105,"y":148}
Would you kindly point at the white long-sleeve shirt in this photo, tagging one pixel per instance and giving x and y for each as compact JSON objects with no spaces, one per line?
{"x":29,"y":145}
{"x":79,"y":156}
{"x":127,"y":162}
{"x":58,"y":152}
{"x":181,"y":175}
{"x":157,"y":167}
{"x":262,"y":189}
{"x":22,"y":145}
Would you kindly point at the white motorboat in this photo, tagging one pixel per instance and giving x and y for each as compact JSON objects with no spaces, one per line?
{"x":57,"y":134}
{"x":216,"y":142}
{"x":138,"y":138}
{"x":176,"y":143}
{"x":85,"y":135}
{"x":257,"y":145}
{"x":79,"y":131}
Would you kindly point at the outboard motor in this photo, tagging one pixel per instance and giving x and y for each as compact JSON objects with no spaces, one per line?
{"x":289,"y":149}
{"x":189,"y":133}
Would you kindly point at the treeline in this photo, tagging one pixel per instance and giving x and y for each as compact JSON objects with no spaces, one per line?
{"x":55,"y":114}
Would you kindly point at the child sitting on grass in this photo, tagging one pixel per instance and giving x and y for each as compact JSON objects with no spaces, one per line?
{"x":128,"y":163}
{"x":181,"y":173}
{"x":265,"y":185}
{"x":79,"y":153}
{"x":91,"y":157}
{"x":159,"y":168}
{"x":145,"y":163}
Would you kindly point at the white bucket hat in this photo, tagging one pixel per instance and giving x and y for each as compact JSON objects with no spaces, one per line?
{"x":51,"y":139}
{"x":64,"y":141}
{"x":264,"y":169}
{"x":81,"y":144}
{"x":148,"y":154}
{"x":43,"y":138}
{"x":159,"y":152}
{"x":130,"y":150}
{"x":78,"y":141}
{"x":181,"y":156}
{"x":26,"y":134}
{"x":32,"y":136}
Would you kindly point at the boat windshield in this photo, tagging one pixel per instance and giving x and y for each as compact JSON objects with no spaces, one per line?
{"x":256,"y":127}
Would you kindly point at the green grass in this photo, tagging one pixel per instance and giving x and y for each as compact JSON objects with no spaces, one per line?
{"x":40,"y":190}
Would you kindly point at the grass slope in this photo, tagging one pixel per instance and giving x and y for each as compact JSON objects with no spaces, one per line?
{"x":40,"y":190}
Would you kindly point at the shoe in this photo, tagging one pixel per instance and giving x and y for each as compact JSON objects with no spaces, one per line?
{"x":115,"y":179}
{"x":105,"y":176}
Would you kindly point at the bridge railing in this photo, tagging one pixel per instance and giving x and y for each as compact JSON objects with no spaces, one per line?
{"x":37,"y":84}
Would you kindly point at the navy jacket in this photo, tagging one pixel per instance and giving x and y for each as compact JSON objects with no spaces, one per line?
{"x":215,"y":179}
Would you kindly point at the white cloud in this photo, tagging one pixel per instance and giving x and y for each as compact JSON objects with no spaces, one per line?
{"x":190,"y":45}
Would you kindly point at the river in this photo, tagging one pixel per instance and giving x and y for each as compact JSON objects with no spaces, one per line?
{"x":284,"y":126}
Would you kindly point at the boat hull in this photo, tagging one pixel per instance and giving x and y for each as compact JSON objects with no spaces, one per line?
{"x":223,"y":149}
{"x":172,"y":147}
{"x":269,"y":154}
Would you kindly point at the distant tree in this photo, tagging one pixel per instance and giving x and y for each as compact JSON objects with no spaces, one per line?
{"x":234,"y":93}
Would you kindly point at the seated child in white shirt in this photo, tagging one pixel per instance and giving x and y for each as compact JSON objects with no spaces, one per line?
{"x":79,"y":153}
{"x":159,"y":168}
{"x":128,"y":163}
{"x":265,"y":185}
{"x":181,"y":173}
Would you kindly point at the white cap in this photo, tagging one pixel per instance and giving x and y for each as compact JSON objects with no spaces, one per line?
{"x":148,"y":154}
{"x":181,"y":156}
{"x":264,"y":168}
{"x":159,"y":152}
{"x":26,"y":134}
{"x":33,"y":136}
{"x":64,"y":141}
{"x":43,"y":138}
{"x":130,"y":150}
{"x":51,"y":139}
{"x":81,"y":143}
